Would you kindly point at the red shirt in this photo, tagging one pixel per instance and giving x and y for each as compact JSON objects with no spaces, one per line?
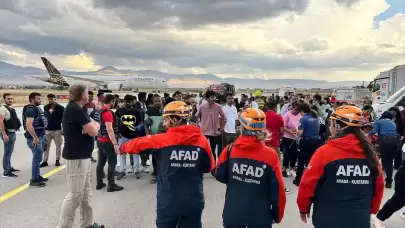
{"x":273,"y":124}
{"x":105,"y":117}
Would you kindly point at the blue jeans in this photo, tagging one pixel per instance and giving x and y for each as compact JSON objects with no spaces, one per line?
{"x":8,"y":150}
{"x":37,"y":153}
{"x":123,"y":158}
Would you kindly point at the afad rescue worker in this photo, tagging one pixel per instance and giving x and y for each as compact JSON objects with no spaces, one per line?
{"x":252,"y":174}
{"x":182,"y":155}
{"x":344,"y":179}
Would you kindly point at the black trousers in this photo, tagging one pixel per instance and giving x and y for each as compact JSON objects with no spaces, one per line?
{"x":165,"y":219}
{"x":213,"y":143}
{"x":398,"y":157}
{"x":154,"y":173}
{"x":290,"y":150}
{"x":228,"y":138}
{"x":393,"y":205}
{"x":106,"y":154}
{"x":307,"y":149}
{"x":144,"y":158}
{"x":388,"y":150}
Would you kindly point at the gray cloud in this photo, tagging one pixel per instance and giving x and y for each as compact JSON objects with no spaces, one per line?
{"x":347,"y":3}
{"x":33,"y":9}
{"x":314,"y":44}
{"x":83,"y":31}
{"x":189,"y":13}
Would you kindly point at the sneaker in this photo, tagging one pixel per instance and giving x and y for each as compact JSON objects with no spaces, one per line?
{"x":377,"y":223}
{"x":43,"y":164}
{"x":100,"y":186}
{"x":402,"y":215}
{"x":153,"y":180}
{"x":95,"y":225}
{"x":121,"y":175}
{"x":285,"y":173}
{"x":296,"y":182}
{"x":137,"y":175}
{"x":43,"y":179}
{"x":93,"y":160}
{"x":114,"y":188}
{"x":287,"y":190}
{"x":146,"y":169}
{"x":388,"y":185}
{"x":130,"y":170}
{"x":57,"y":163}
{"x":37,"y":184}
{"x":9,"y":174}
{"x":14,"y":170}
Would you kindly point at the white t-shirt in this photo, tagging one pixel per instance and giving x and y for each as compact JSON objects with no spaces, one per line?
{"x":254,"y":104}
{"x":7,"y":115}
{"x":4,"y":112}
{"x":231,"y":115}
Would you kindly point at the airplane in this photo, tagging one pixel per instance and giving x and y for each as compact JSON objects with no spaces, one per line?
{"x":105,"y":83}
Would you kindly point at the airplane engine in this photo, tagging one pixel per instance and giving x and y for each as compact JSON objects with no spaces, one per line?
{"x":114,"y":86}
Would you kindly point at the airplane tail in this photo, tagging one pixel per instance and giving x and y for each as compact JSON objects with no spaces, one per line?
{"x":50,"y":67}
{"x":53,"y":72}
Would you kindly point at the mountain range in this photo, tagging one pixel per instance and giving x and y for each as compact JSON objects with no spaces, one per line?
{"x":18,"y":74}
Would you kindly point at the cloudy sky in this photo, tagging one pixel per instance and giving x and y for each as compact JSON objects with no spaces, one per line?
{"x":317,"y":39}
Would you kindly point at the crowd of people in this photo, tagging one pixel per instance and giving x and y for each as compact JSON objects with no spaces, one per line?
{"x":252,"y":145}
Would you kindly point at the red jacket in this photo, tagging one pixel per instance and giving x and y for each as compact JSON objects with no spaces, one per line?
{"x":338,"y":183}
{"x":182,"y":154}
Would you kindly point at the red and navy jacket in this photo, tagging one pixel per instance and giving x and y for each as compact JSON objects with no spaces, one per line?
{"x":183,"y":155}
{"x":254,"y":183}
{"x":339,"y":184}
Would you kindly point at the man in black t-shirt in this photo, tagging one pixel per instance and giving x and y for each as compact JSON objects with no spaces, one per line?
{"x":129,"y":117}
{"x":79,"y":132}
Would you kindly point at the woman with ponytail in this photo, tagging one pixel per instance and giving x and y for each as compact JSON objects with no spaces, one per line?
{"x":252,"y":174}
{"x":344,"y":180}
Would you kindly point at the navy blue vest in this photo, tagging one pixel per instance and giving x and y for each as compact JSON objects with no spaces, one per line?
{"x":40,"y":121}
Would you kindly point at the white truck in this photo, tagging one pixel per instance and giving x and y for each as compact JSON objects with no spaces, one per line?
{"x":396,"y":99}
{"x":351,"y":95}
{"x":389,"y":89}
{"x":387,"y":83}
{"x":286,"y":91}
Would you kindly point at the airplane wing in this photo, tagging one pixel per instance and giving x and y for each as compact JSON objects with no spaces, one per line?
{"x":84,"y":79}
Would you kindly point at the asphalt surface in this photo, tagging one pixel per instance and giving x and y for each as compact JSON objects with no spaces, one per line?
{"x":130,"y":208}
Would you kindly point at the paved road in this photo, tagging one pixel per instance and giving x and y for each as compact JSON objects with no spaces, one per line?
{"x":133,"y":207}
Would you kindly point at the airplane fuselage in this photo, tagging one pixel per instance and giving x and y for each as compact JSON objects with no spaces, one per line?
{"x":118,"y":82}
{"x":109,"y":82}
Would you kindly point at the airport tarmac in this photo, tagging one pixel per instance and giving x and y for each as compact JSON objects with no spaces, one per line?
{"x":24,"y":207}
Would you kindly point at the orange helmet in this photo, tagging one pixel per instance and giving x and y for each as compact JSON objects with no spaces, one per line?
{"x":348,"y":114}
{"x":253,"y":119}
{"x":177,"y":108}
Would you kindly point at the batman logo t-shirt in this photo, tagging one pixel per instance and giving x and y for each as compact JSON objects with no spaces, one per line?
{"x":129,"y":119}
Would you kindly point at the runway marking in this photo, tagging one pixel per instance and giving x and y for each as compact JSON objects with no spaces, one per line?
{"x":18,"y":190}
